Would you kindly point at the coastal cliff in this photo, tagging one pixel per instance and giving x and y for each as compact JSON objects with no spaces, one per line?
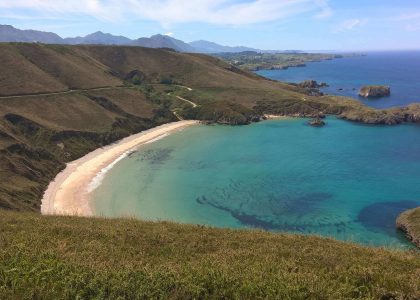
{"x":409,"y":223}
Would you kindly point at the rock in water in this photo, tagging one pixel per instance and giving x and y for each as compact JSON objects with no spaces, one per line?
{"x":317,"y":122}
{"x":375,"y":91}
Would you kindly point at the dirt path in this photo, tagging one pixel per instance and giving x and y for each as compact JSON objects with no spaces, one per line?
{"x":65,"y":92}
{"x":186,"y":100}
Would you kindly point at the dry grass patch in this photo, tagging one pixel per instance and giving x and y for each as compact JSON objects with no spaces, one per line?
{"x":63,"y":257}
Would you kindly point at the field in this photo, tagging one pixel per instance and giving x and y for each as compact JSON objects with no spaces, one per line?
{"x":253,"y":61}
{"x":68,"y":258}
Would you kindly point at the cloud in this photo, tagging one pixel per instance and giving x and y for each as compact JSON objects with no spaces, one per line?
{"x":326,"y":10}
{"x":411,"y":21}
{"x":349,"y":25}
{"x":413,"y":27}
{"x":169,"y":34}
{"x":105,"y":10}
{"x":223,"y":12}
{"x":408,"y":16}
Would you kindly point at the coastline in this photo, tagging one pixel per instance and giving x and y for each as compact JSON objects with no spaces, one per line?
{"x":277,"y":117}
{"x":68,"y":193}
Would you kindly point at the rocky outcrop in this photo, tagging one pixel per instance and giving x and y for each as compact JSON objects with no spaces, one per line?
{"x":222,"y":112}
{"x":393,"y":116}
{"x":311,"y":87}
{"x":374,"y":91}
{"x":408,"y":222}
{"x":409,"y":114}
{"x":312,"y":84}
{"x":317,"y":122}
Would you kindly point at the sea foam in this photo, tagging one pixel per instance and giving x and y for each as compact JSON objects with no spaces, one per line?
{"x":97,"y":180}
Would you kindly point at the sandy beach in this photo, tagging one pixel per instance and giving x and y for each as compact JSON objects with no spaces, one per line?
{"x":68,"y":194}
{"x":274,"y":117}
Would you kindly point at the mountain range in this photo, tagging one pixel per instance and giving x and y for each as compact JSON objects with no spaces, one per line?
{"x":9,"y":33}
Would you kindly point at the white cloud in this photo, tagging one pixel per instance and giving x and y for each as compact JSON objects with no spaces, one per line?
{"x":411,"y":20}
{"x":348,"y":25}
{"x":413,"y":27}
{"x":106,"y":10}
{"x":326,"y":10}
{"x":225,"y":12}
{"x":169,"y":34}
{"x":408,"y":16}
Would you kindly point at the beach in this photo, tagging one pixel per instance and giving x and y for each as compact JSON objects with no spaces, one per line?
{"x":276,"y":117}
{"x":69,"y":193}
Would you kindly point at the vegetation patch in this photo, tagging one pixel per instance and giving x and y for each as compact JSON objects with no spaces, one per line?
{"x":67,"y":257}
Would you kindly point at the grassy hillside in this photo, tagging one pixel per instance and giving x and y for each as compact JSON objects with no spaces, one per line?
{"x":65,"y":257}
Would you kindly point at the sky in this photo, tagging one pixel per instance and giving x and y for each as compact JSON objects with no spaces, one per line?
{"x":264,"y":24}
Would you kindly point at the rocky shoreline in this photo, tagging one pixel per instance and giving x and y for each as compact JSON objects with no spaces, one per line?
{"x":405,"y":224}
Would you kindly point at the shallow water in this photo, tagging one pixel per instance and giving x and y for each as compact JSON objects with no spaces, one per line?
{"x":344,"y":180}
{"x":399,"y":70}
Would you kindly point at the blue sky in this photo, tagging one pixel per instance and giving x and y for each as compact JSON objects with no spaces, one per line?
{"x":265,"y":24}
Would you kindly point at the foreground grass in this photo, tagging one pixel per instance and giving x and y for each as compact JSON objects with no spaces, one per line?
{"x":64,"y":257}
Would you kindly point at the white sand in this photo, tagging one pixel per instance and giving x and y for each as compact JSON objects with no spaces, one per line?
{"x":272,"y":117}
{"x":68,"y":194}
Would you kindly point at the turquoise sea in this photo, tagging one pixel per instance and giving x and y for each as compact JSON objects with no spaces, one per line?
{"x":344,"y":180}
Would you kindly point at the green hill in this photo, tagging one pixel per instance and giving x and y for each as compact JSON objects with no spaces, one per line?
{"x":81,"y":258}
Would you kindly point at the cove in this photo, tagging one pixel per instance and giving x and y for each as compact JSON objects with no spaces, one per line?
{"x":345,"y":180}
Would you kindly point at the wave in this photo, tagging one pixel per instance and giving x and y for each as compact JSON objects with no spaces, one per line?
{"x":97,"y":180}
{"x":157,"y":138}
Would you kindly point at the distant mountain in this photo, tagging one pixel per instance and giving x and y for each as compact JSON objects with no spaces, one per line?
{"x":99,"y":38}
{"x":10,"y":34}
{"x":210,"y":47}
{"x":163,"y":41}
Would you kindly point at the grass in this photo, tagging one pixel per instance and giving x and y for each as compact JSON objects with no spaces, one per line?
{"x":409,"y":221}
{"x":68,"y":258}
{"x":415,"y":220}
{"x":259,"y":61}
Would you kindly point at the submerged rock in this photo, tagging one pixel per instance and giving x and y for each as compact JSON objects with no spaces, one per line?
{"x":374,"y":91}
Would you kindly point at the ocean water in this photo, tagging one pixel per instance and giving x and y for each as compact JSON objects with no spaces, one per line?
{"x":345,"y":180}
{"x":399,"y":70}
